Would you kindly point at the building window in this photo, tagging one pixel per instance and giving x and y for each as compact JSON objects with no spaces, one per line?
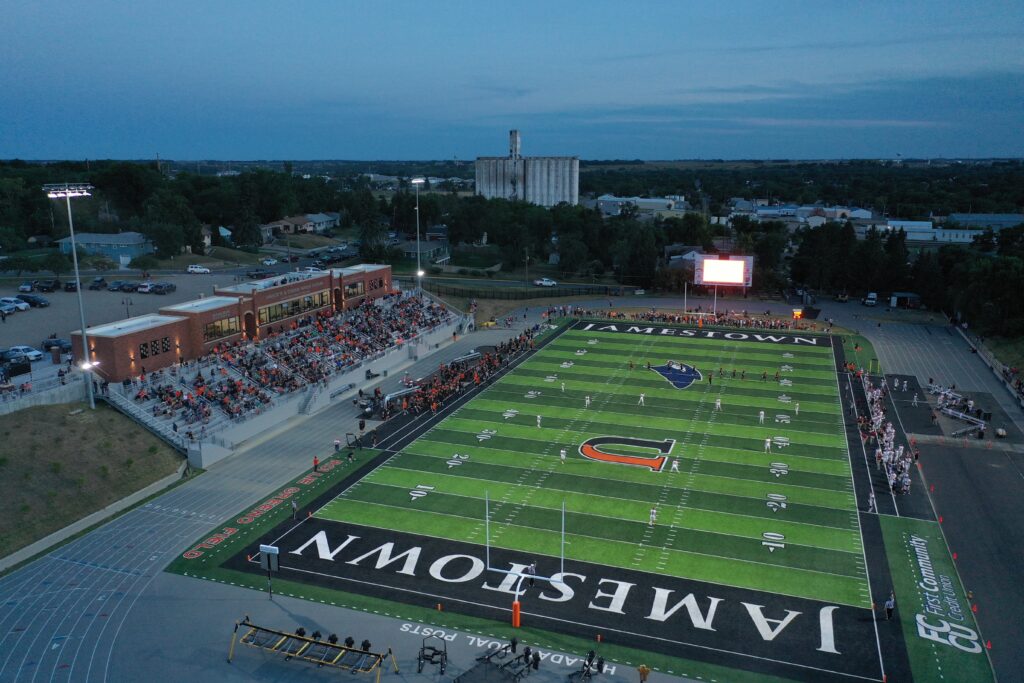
{"x":165,"y":345}
{"x":354,"y":289}
{"x":144,"y":350}
{"x":288,"y":309}
{"x":221,"y":328}
{"x":376,"y":283}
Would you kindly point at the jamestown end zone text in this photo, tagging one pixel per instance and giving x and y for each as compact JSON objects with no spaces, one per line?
{"x":700,"y":333}
{"x":692,"y":619}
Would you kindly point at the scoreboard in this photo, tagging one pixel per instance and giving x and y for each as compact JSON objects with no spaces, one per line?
{"x":727,"y":270}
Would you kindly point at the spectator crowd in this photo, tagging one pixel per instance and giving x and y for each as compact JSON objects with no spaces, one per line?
{"x":245,"y":377}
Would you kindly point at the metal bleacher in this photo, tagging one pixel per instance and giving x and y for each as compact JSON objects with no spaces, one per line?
{"x":312,"y":649}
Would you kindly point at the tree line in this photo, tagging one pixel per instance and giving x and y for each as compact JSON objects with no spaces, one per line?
{"x":979,"y":283}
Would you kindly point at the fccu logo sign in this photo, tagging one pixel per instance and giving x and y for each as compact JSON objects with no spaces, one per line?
{"x":944,"y":620}
{"x":609,"y":449}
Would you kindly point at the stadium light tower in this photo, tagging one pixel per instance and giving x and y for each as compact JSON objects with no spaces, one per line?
{"x":416,"y":182}
{"x":66,"y":191}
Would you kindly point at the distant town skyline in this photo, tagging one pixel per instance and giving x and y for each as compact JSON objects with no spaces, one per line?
{"x":599,"y":80}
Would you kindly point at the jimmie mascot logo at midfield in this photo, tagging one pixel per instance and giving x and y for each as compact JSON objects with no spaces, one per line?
{"x":679,"y":375}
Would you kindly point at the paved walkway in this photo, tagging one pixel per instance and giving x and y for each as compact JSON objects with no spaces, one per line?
{"x":62,"y":614}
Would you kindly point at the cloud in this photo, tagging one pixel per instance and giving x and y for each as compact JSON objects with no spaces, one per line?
{"x":839,"y":123}
{"x":958,"y":38}
{"x":503,"y":90}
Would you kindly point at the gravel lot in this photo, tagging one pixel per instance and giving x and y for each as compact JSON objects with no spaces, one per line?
{"x":31,"y":327}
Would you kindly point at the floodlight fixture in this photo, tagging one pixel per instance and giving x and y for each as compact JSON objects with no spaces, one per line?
{"x":66,"y":191}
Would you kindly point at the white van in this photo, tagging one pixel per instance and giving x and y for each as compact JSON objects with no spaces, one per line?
{"x":871,"y":299}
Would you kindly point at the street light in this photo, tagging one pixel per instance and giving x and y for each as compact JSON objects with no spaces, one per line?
{"x":66,"y":191}
{"x":128,"y":303}
{"x":416,"y":182}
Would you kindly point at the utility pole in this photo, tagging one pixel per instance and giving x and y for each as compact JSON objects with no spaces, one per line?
{"x":526,"y":261}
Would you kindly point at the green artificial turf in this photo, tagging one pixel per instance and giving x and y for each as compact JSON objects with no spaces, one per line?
{"x":712,"y":512}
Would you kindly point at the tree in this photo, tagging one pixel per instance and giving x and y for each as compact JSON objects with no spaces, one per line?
{"x":572,"y":254}
{"x":374,"y":242}
{"x":56,"y":262}
{"x":20,"y":264}
{"x":246,"y":224}
{"x":166,"y":237}
{"x":896,"y":266}
{"x":641,"y":257}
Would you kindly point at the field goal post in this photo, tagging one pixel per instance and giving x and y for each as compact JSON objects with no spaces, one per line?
{"x":523,"y":575}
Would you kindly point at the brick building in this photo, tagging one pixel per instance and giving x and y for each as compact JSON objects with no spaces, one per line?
{"x":251,"y":310}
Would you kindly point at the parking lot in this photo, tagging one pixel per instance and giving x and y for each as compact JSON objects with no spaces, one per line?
{"x":31,"y":327}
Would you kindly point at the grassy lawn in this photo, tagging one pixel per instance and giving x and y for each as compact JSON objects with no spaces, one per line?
{"x":56,"y":467}
{"x":1008,"y":351}
{"x":235,"y":256}
{"x":306,"y":241}
{"x":482,"y":257}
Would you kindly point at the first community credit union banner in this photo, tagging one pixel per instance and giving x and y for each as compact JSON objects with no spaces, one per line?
{"x":943,"y":619}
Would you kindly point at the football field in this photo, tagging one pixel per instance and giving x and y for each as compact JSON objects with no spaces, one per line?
{"x":731,"y":470}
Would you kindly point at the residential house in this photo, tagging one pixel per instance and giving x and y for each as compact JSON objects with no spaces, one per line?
{"x":118,"y":247}
{"x":321,"y":222}
{"x":430,"y":252}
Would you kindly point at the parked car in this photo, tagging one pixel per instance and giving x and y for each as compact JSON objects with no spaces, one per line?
{"x":269,"y":261}
{"x":34,"y":300}
{"x":290,"y":259}
{"x":129,"y":286}
{"x":312,"y":269}
{"x":143,"y":288}
{"x":63,"y":344}
{"x":27,"y":352}
{"x":163,"y":288}
{"x":115,"y":286}
{"x":259,"y":273}
{"x":26,"y":286}
{"x":545,"y":282}
{"x":198,"y":269}
{"x":10,"y":356}
{"x":51,"y":285}
{"x":71,"y":286}
{"x":18,"y":304}
{"x":8,"y":309}
{"x":318,"y":264}
{"x":98,"y":283}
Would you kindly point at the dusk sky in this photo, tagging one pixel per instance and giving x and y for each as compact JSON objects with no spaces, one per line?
{"x":436,"y":80}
